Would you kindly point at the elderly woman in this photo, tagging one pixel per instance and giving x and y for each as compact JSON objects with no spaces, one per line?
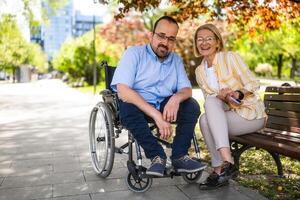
{"x":232,"y":105}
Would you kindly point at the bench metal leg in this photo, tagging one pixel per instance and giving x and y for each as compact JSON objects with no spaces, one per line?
{"x":277,"y":160}
{"x":237,"y":152}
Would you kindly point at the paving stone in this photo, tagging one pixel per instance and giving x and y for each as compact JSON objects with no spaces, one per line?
{"x":1,"y":180}
{"x":105,"y":185}
{"x":44,"y":179}
{"x":6,"y":157}
{"x":31,"y":163}
{"x":87,"y":166}
{"x":154,"y":193}
{"x":33,"y":155}
{"x":5,"y":164}
{"x":66,"y":167}
{"x":90,"y":175}
{"x":224,"y":193}
{"x":26,"y":193}
{"x":25,"y":171}
{"x":64,"y":153}
{"x":77,"y":197}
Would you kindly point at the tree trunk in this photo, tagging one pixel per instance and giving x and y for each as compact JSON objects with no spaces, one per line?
{"x":279,"y":66}
{"x":14,"y":74}
{"x":294,"y":68}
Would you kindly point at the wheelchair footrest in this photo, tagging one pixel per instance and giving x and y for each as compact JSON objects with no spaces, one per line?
{"x":120,"y":150}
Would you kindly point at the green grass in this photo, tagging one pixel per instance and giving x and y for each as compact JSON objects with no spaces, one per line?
{"x":258,"y":171}
{"x":90,"y":89}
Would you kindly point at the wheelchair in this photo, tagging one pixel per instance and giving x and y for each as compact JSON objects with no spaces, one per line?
{"x":105,"y":127}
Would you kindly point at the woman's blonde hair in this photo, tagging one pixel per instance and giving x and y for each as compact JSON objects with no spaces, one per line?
{"x":217,"y":34}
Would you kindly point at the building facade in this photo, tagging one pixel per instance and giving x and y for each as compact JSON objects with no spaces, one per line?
{"x":66,"y":23}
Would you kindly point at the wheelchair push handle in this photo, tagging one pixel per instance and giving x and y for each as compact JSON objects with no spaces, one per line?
{"x":103,"y":64}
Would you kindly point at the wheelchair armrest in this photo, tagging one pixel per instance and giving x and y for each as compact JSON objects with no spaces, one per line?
{"x":106,"y":92}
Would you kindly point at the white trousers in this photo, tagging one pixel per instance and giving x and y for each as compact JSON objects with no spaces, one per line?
{"x":217,"y":123}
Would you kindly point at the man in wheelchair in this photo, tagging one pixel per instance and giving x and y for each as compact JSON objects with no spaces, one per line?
{"x":151,"y":82}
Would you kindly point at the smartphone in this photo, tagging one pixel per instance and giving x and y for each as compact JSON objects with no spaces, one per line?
{"x":237,"y":101}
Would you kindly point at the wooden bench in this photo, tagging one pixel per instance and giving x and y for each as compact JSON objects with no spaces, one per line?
{"x":79,"y":82}
{"x":281,"y":136}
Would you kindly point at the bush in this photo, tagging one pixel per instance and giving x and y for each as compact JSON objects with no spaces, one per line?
{"x":263,"y":69}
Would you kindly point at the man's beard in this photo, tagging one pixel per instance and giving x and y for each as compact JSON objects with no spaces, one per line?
{"x":162,"y":51}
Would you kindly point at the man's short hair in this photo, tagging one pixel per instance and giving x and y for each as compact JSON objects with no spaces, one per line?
{"x":168,"y":18}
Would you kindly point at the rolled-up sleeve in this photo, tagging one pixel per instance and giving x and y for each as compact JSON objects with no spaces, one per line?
{"x":248,"y":80}
{"x":126,"y":70}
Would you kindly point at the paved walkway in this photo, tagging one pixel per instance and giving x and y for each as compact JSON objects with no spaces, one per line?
{"x":44,"y":152}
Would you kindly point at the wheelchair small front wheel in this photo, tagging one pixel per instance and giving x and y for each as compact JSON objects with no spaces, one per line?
{"x":192,"y":177}
{"x":138,"y":184}
{"x":102,"y":140}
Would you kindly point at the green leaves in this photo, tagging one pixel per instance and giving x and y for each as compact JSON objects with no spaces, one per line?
{"x":76,"y":56}
{"x":15,"y":50}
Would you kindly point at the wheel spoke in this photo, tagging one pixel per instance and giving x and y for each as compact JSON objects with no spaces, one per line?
{"x":144,"y":181}
{"x":141,"y":187}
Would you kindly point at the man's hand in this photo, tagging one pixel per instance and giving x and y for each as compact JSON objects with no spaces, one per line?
{"x":171,"y":109}
{"x":165,"y":128}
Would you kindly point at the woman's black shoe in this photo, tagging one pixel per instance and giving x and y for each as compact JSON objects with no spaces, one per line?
{"x":214,"y":181}
{"x":229,"y":171}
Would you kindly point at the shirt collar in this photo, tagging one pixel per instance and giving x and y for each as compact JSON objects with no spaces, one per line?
{"x":151,"y":52}
{"x":214,"y":63}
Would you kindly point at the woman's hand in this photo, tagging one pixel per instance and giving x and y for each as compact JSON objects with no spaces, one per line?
{"x":224,"y":92}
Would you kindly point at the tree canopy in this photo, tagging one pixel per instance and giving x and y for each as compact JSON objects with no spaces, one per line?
{"x":266,"y":14}
{"x":15,"y":50}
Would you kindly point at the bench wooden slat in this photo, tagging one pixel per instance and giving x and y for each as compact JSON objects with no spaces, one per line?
{"x":283,"y":127}
{"x":281,"y":113}
{"x":280,"y":97}
{"x":281,"y":136}
{"x":283,"y":89}
{"x":286,"y":148}
{"x":294,"y":122}
{"x":288,"y":106}
{"x":288,"y":133}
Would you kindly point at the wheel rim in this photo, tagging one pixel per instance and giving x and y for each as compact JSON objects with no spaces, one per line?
{"x":101,"y":143}
{"x":101,"y":139}
{"x":138,"y":185}
{"x":192,"y":177}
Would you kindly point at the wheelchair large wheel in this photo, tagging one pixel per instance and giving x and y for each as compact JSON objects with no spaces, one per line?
{"x":192,"y":177}
{"x":138,"y":184}
{"x":102,"y":141}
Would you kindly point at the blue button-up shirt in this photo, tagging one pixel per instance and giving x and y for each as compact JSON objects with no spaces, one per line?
{"x":142,"y":71}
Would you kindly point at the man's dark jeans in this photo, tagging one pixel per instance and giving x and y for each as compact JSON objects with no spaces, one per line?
{"x":136,"y":122}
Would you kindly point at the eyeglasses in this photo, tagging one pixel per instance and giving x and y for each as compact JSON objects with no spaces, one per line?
{"x":163,"y":37}
{"x":209,"y":40}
